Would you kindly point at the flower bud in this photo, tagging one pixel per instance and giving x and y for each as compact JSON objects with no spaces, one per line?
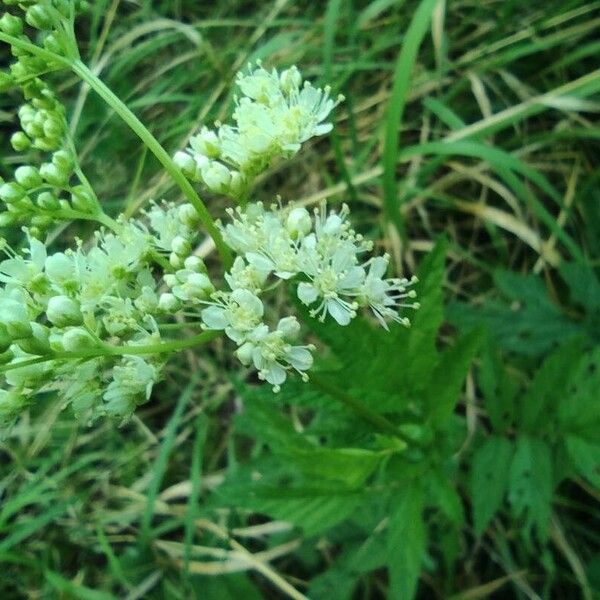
{"x":51,"y":43}
{"x":195,"y":264}
{"x":53,"y":175}
{"x":12,"y":404}
{"x":38,"y":342}
{"x":289,"y":326}
{"x":63,"y":311}
{"x":63,"y":161}
{"x":15,"y":317}
{"x":11,"y":25}
{"x":28,"y":177}
{"x":168,"y":303}
{"x":6,"y":81}
{"x":237,"y":184}
{"x":186,"y":163}
{"x":38,"y":16}
{"x":6,"y":357}
{"x":77,"y":339}
{"x":245,"y":353}
{"x":298,"y":222}
{"x":19,"y":141}
{"x":170,"y":279}
{"x":5,"y":338}
{"x":199,"y":285}
{"x":207,"y":143}
{"x":53,"y":127}
{"x":11,"y":192}
{"x":181,"y":246}
{"x":26,"y":114}
{"x":82,"y":200}
{"x":290,"y":80}
{"x":48,"y":201}
{"x":7,"y":219}
{"x":175,"y":260}
{"x":217,"y":177}
{"x":188,"y":216}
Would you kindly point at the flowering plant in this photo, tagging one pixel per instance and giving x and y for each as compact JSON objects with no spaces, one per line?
{"x":89,"y":321}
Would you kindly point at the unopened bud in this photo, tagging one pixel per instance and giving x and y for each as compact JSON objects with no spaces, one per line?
{"x":48,"y":201}
{"x":53,"y":175}
{"x":207,"y":143}
{"x":19,"y":140}
{"x":181,"y":246}
{"x":186,"y":163}
{"x":11,"y":25}
{"x":11,"y":192}
{"x":299,"y":222}
{"x":217,"y":177}
{"x":168,"y":303}
{"x":194,"y":263}
{"x":39,"y":17}
{"x":28,"y":176}
{"x":63,"y":311}
{"x":38,"y":342}
{"x":82,"y":199}
{"x":77,"y":339}
{"x":188,"y":215}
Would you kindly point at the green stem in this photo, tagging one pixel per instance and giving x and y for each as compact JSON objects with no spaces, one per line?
{"x":162,"y":348}
{"x":360,"y":409}
{"x":99,"y":217}
{"x":159,"y":152}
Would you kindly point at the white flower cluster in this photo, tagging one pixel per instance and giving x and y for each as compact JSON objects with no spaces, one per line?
{"x":85,"y":322}
{"x":85,"y":301}
{"x":322,"y":253}
{"x":275,"y":115}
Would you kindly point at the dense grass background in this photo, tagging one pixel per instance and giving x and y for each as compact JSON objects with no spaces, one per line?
{"x":476,"y":119}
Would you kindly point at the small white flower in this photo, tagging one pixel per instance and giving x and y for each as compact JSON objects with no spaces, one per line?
{"x":131,"y":385}
{"x":237,"y":313}
{"x":216,"y":176}
{"x":386,"y":296}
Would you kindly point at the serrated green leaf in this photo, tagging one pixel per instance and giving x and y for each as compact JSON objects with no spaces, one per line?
{"x":525,"y":321}
{"x":531,"y":483}
{"x":489,"y":479}
{"x":548,"y":388}
{"x":313,"y":509}
{"x":449,"y":375}
{"x":407,"y":538}
{"x":445,"y":497}
{"x":499,"y":388}
{"x":350,"y":466}
{"x":585,"y":456}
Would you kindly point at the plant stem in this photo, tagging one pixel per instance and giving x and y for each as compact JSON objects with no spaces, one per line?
{"x":159,"y":152}
{"x":107,"y":350}
{"x":361,"y":410}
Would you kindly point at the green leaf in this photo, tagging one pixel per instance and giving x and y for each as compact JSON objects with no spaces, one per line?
{"x":531,"y":484}
{"x":350,"y":466}
{"x":74,"y":590}
{"x":489,"y":479}
{"x":312,"y":508}
{"x":499,"y":388}
{"x":402,"y":77}
{"x":525,"y":321}
{"x":585,"y":456}
{"x":407,"y":538}
{"x":449,"y":375}
{"x":549,"y":387}
{"x":445,"y":497}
